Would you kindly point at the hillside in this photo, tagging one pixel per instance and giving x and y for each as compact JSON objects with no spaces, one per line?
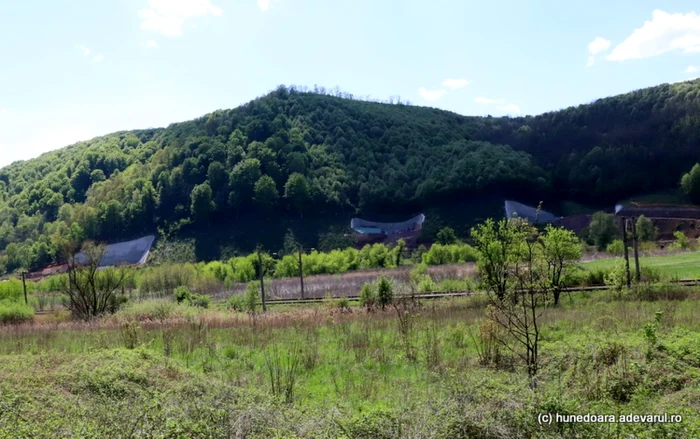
{"x":300,"y":157}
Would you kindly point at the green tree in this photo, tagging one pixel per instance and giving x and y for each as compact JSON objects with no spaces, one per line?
{"x":297,"y":191}
{"x":446,"y":236}
{"x":690,"y":183}
{"x":646,"y":231}
{"x":602,"y":230}
{"x":561,"y":250}
{"x":242,"y":182}
{"x":266,"y":194}
{"x":201,"y":204}
{"x":216,"y":175}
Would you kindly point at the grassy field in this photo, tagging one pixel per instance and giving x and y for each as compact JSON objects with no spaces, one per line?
{"x":157,"y":369}
{"x":680,"y":265}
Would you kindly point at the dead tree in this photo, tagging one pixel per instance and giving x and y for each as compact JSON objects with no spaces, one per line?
{"x":92,"y":291}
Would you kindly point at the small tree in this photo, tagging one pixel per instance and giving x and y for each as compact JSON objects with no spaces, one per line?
{"x":92,"y":292}
{"x":646,"y":230}
{"x":602,"y":230}
{"x":266,"y":194}
{"x":690,"y":183}
{"x":446,"y":236}
{"x":201,"y":202}
{"x":561,"y":251}
{"x":498,"y":246}
{"x":385,"y":292}
{"x":512,"y":261}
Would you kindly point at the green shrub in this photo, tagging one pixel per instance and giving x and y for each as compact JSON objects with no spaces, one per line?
{"x":617,"y":247}
{"x":427,"y":285}
{"x":343,"y":303}
{"x":15,"y":312}
{"x":252,"y":296}
{"x":617,"y":277}
{"x":602,"y":230}
{"x":646,"y":230}
{"x":368,"y":296}
{"x":385,"y":291}
{"x":650,"y":274}
{"x":681,"y":243}
{"x":595,"y":277}
{"x":236,"y":302}
{"x":200,"y":300}
{"x":182,"y":294}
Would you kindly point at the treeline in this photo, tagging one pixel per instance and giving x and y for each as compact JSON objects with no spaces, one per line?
{"x":300,"y":153}
{"x":208,"y":276}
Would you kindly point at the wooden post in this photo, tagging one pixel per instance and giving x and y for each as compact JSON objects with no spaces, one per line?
{"x":636,"y":250}
{"x":262,"y":282}
{"x":24,"y":285}
{"x":627,"y":256}
{"x":301,"y":273}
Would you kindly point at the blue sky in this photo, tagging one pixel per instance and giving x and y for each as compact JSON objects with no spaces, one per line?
{"x":75,"y":69}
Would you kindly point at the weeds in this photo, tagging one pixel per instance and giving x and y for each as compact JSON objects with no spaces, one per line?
{"x":283,"y":369}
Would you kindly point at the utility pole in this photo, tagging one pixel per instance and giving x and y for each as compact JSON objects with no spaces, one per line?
{"x":24,"y":285}
{"x":301,"y":273}
{"x":627,"y":256}
{"x":636,"y":250}
{"x":262,"y":282}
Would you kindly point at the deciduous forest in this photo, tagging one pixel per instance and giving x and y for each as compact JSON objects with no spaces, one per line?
{"x":302,"y":153}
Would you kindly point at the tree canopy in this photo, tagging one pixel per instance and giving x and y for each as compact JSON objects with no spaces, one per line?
{"x":300,"y":152}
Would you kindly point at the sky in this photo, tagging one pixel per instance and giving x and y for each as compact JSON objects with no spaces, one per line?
{"x":72,"y":70}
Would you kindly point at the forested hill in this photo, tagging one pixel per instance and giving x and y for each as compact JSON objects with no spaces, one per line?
{"x":294,"y":153}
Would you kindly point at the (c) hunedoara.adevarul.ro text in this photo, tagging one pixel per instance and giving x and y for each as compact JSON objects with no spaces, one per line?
{"x":549,"y":418}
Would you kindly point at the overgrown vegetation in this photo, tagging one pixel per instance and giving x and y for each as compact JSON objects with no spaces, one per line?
{"x":297,"y":153}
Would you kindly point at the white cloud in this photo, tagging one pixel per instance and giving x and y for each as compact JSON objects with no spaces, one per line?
{"x":455,"y":83}
{"x":85,"y":50}
{"x":431,"y":95}
{"x":595,"y":47}
{"x":511,"y":108}
{"x":664,"y":33}
{"x":3,"y":110}
{"x":482,"y":100}
{"x":98,"y":58}
{"x":169,"y":16}
{"x":692,"y":69}
{"x":598,"y":45}
{"x":264,"y":5}
{"x":149,"y":44}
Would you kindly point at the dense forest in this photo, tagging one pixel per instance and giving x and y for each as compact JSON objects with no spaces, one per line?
{"x":303,"y":154}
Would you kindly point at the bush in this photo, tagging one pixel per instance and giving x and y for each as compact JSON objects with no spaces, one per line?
{"x":12,"y":290}
{"x":650,"y":274}
{"x":449,"y":254}
{"x":446,"y":236}
{"x":617,"y":277}
{"x":646,"y":230}
{"x":595,"y":277}
{"x":252,"y":296}
{"x":182,"y":294}
{"x":427,"y":285}
{"x":200,"y":300}
{"x":15,"y":312}
{"x":617,"y":247}
{"x":385,"y":291}
{"x":236,"y":302}
{"x":602,"y":230}
{"x":681,"y":243}
{"x":368,"y":296}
